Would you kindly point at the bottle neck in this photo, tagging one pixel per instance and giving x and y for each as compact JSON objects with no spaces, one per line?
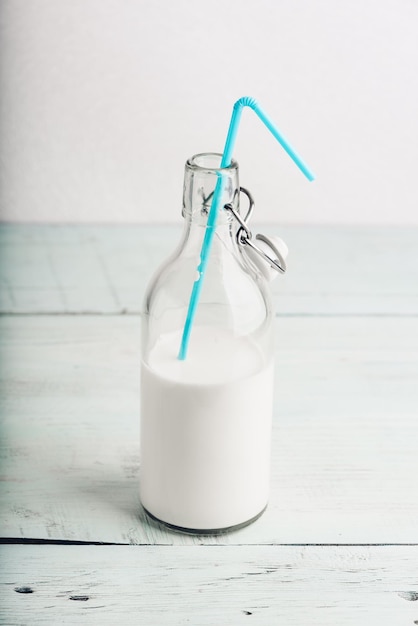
{"x":201,"y":178}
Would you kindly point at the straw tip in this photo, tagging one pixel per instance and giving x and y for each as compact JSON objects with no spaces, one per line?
{"x":183,"y":350}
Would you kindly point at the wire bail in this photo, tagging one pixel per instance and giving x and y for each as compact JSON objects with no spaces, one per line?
{"x":245,"y":236}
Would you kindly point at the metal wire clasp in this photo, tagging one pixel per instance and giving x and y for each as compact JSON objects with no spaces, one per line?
{"x":244,"y":235}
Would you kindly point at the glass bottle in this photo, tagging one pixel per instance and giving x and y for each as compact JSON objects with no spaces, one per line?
{"x":206,"y":420}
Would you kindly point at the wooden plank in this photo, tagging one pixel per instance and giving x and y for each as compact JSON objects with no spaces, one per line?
{"x":344,"y":443}
{"x":105,"y":269}
{"x":209,"y":585}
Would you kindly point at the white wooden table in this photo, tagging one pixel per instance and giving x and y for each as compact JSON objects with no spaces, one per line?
{"x":338,"y":543}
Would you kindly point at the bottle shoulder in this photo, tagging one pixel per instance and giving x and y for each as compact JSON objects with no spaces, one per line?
{"x":230,"y":284}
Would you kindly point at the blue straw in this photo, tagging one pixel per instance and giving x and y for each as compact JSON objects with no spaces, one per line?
{"x":214,"y":210}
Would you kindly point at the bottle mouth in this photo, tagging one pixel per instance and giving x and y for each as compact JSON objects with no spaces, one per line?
{"x":210,"y":162}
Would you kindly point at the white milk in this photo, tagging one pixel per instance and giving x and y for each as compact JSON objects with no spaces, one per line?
{"x":205,"y":431}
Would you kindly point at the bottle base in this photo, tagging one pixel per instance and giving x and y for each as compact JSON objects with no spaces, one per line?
{"x":204,"y":531}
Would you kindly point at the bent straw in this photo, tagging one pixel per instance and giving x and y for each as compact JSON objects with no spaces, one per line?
{"x":213,"y":213}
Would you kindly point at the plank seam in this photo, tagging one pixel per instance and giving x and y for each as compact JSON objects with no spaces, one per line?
{"x":63,"y":542}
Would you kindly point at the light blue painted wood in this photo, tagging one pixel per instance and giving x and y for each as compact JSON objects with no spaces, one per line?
{"x":347,"y":386}
{"x":206,"y":586}
{"x":344,"y":440}
{"x":105,"y":269}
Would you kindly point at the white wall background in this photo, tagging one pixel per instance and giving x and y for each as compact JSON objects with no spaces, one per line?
{"x":102,"y":101}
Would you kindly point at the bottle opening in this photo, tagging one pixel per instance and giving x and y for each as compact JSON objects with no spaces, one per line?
{"x":210,"y":161}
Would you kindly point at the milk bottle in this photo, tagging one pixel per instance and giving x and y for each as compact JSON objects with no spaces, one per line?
{"x":206,"y":420}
